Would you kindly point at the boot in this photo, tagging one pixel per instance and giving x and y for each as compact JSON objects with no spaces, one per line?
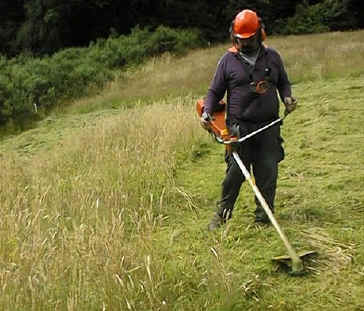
{"x":261,"y":216}
{"x":216,"y":222}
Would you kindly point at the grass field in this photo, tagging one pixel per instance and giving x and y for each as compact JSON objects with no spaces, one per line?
{"x":105,"y":205}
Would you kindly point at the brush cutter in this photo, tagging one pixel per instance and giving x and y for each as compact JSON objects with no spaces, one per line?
{"x":219,"y":131}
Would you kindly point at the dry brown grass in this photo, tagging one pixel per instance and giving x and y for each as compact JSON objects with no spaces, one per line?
{"x":81,"y":215}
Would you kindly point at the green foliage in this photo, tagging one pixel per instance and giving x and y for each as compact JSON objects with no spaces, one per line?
{"x":320,"y":17}
{"x":167,"y":39}
{"x":41,"y":31}
{"x":45,"y":27}
{"x":141,"y":44}
{"x":29,"y":86}
{"x":308,"y":19}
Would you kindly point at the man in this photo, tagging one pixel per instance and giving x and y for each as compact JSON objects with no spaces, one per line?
{"x":251,"y":74}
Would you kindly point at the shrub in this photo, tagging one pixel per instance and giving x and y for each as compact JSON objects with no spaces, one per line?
{"x":308,"y":19}
{"x":167,"y":39}
{"x":321,"y":17}
{"x":30,"y":85}
{"x":141,"y":44}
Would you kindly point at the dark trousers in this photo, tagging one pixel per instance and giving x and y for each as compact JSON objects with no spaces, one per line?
{"x":261,"y":153}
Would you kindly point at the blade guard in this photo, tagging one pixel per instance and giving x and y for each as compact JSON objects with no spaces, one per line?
{"x":217,"y":124}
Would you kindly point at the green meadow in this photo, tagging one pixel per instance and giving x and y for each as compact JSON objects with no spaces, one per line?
{"x":104,"y":205}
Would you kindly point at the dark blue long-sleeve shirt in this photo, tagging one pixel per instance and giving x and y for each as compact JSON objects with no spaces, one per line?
{"x":234,"y":76}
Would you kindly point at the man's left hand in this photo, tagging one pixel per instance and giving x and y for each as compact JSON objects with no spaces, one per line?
{"x":290,"y":103}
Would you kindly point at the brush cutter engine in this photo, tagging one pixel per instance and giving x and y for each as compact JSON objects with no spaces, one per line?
{"x":217,"y":125}
{"x":219,"y":130}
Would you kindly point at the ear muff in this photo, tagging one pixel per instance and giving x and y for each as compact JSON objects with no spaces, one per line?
{"x":231,"y":27}
{"x":263,"y":34}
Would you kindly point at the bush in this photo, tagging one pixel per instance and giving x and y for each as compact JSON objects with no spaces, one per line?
{"x":30,"y":86}
{"x":308,"y":19}
{"x":321,"y":17}
{"x":166,"y":39}
{"x":141,"y":44}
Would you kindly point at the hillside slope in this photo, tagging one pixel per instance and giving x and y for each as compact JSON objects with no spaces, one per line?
{"x":107,"y":209}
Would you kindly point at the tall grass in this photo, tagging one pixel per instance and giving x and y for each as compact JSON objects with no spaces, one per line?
{"x":81,"y":216}
{"x":322,"y":56}
{"x":108,"y":210}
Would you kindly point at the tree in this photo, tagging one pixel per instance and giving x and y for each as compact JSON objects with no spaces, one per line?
{"x":45,"y":26}
{"x":50,"y":25}
{"x":11,"y":17}
{"x":41,"y":30}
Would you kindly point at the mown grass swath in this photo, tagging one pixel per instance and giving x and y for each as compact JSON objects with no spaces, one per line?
{"x":106,"y":207}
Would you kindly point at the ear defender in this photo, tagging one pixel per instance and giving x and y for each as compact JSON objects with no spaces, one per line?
{"x":263,"y":34}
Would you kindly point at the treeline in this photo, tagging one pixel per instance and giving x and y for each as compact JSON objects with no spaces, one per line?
{"x":46,"y":26}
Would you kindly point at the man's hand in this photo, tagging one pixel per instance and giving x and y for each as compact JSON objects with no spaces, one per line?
{"x":205,"y":121}
{"x":290,"y":103}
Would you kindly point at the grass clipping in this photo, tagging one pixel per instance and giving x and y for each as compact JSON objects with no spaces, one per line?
{"x":333,"y":255}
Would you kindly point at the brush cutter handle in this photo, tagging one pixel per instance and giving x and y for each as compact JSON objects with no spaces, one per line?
{"x":241,"y":139}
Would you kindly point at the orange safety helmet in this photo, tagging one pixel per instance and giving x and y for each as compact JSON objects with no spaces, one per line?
{"x":245,"y":24}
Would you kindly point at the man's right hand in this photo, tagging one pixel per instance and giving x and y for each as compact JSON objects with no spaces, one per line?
{"x":205,"y":121}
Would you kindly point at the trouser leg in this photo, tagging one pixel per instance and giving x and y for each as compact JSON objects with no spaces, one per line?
{"x":265,"y":168}
{"x":230,"y":188}
{"x":265,"y":173}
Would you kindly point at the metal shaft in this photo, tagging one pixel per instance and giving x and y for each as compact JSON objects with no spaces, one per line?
{"x":241,"y":139}
{"x":297,"y":265}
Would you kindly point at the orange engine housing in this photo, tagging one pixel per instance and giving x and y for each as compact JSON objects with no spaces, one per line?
{"x":217,"y":124}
